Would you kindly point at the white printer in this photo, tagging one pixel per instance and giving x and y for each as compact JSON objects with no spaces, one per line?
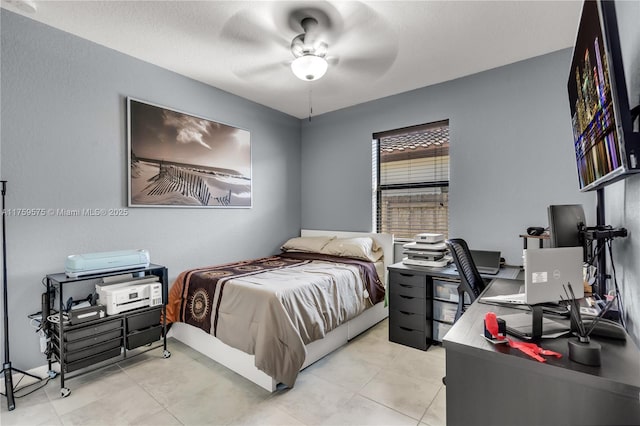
{"x":131,"y":294}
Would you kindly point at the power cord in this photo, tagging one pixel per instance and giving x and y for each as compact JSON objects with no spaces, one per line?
{"x":43,"y":382}
{"x":52,"y":291}
{"x":36,"y":324}
{"x":55,"y":318}
{"x":617,"y":289}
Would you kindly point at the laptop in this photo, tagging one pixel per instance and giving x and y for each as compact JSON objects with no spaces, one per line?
{"x":487,"y":262}
{"x":547,"y":271}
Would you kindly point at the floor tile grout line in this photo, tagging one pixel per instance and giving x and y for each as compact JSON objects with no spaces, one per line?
{"x":292,"y":415}
{"x":390,"y":408}
{"x":442,"y":387}
{"x":162,"y":407}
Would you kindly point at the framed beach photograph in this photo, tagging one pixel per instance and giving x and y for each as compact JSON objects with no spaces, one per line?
{"x":182,"y":160}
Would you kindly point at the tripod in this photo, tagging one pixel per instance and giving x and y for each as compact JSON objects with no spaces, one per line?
{"x":7,"y":370}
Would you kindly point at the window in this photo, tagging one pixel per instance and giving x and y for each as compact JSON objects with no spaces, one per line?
{"x":411,"y":180}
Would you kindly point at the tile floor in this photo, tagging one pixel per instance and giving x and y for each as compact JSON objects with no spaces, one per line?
{"x":370,"y":381}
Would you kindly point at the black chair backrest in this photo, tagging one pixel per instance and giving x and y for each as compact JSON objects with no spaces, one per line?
{"x":471,"y":282}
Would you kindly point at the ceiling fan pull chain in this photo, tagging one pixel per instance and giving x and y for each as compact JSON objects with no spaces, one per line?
{"x":310,"y":104}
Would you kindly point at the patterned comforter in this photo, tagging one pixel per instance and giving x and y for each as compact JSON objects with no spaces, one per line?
{"x":272,"y":307}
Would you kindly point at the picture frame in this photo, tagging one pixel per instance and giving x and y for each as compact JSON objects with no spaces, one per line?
{"x":178,"y":159}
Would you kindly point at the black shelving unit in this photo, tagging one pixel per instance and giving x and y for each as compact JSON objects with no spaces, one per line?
{"x":79,"y":347}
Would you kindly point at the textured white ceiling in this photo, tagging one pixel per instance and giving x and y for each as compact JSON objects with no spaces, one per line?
{"x":376,"y":48}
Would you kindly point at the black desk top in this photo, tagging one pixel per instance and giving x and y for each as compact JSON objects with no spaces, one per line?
{"x":620,"y":360}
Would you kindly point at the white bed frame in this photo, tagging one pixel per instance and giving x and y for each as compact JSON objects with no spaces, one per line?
{"x":244,"y":364}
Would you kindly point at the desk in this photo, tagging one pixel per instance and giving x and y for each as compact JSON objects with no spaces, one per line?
{"x":423,"y":302}
{"x":498,"y":385}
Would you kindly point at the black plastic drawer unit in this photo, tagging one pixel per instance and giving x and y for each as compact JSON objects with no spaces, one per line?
{"x":93,"y":340}
{"x":139,"y":321}
{"x":93,"y":350}
{"x":408,"y":337}
{"x":78,"y":332}
{"x":409,"y":309}
{"x":410,"y":320}
{"x":408,"y":278}
{"x":143,"y":337}
{"x":92,"y":360}
{"x":143,"y":328}
{"x":86,"y":344}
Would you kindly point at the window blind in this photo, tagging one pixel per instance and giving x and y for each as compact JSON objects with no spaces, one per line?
{"x":412,"y":182}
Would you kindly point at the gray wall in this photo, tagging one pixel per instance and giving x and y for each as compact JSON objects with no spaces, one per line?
{"x":511,"y":157}
{"x":511,"y":153}
{"x":622,"y":199}
{"x":64,"y":146}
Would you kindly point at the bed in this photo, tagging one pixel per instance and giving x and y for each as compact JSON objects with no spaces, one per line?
{"x":285,"y":302}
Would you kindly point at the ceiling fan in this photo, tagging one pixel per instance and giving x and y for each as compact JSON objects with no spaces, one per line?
{"x":345,"y":40}
{"x":310,"y":51}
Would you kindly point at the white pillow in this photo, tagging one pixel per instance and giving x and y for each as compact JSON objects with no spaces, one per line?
{"x":306,"y":244}
{"x":359,"y":247}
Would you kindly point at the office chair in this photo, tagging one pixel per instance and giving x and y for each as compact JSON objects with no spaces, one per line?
{"x":471,"y":282}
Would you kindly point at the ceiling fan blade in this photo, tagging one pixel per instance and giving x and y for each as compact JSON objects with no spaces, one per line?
{"x":250,"y":29}
{"x":371,"y":66}
{"x":359,"y":20}
{"x":371,"y":60}
{"x":333,"y":60}
{"x":366,"y":46}
{"x":259,"y":72}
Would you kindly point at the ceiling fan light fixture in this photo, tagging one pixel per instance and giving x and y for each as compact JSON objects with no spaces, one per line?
{"x":309,"y":67}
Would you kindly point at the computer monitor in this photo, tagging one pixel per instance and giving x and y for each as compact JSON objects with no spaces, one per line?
{"x":565,"y":223}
